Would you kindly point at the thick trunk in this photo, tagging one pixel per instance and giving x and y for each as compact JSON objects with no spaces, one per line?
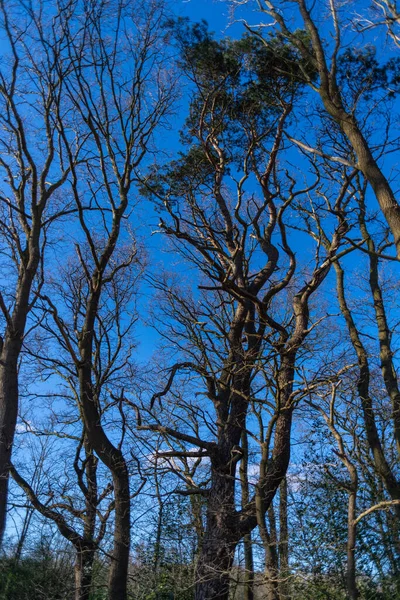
{"x":118,"y":575}
{"x":214,"y":565}
{"x":224,"y":526}
{"x":8,"y":417}
{"x":220,"y":538}
{"x":83,"y":573}
{"x":118,"y":578}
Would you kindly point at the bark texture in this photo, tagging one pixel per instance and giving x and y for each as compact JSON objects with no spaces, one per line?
{"x":10,"y":349}
{"x":351,"y":546}
{"x":83,"y":572}
{"x":113,"y":459}
{"x":8,"y":418}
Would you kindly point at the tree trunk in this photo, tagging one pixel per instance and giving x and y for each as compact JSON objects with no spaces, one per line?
{"x":331,"y":97}
{"x":24,"y":533}
{"x":372,"y":173}
{"x":8,"y":417}
{"x":283,"y":542}
{"x":214,"y":565}
{"x":218,"y":548}
{"x":248,"y":583}
{"x":271,"y":570}
{"x":382,"y":466}
{"x":351,"y":548}
{"x":10,"y":348}
{"x":113,"y":459}
{"x":118,"y":578}
{"x":159,"y":530}
{"x":83,"y":573}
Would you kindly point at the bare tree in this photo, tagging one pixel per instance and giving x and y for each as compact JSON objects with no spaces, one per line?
{"x":227,"y":206}
{"x":325,"y":56}
{"x":109,"y":370}
{"x":329,"y":414}
{"x":77,"y":523}
{"x":34,"y":168}
{"x":374,"y":377}
{"x":108,"y":92}
{"x":389,"y":377}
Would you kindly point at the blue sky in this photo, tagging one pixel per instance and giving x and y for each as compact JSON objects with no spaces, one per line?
{"x":215,"y":12}
{"x":217,"y":15}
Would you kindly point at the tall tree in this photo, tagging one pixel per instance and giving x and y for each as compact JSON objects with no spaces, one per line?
{"x":108,"y":95}
{"x":227,"y":205}
{"x":34,"y":167}
{"x":119,"y":97}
